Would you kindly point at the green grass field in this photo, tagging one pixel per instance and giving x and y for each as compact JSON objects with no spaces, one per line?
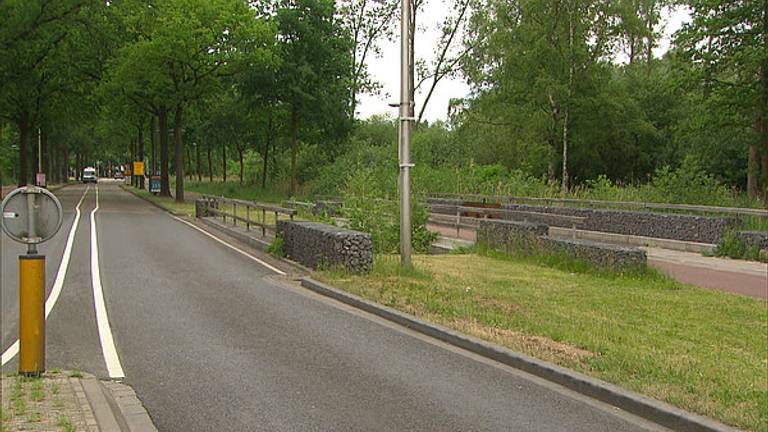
{"x":702,"y":350}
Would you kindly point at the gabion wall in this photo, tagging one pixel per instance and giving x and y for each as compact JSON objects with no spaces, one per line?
{"x":526,"y":237}
{"x":754,"y":238}
{"x":314,"y":245}
{"x":508,"y":236}
{"x":704,"y":229}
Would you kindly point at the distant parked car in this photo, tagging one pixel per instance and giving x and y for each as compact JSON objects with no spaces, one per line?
{"x":89,"y":175}
{"x":119,"y":175}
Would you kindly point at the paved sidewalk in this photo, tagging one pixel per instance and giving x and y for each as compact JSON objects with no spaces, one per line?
{"x":742,"y":277}
{"x":70,"y":402}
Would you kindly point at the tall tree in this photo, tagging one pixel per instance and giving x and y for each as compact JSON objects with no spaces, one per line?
{"x":728,"y":44}
{"x":315,"y":69}
{"x":368,"y":22}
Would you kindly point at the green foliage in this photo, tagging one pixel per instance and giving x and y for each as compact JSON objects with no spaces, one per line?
{"x":370,"y":210}
{"x":733,"y":247}
{"x":277,"y":247}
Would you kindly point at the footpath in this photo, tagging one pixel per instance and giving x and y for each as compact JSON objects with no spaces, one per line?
{"x":70,"y":402}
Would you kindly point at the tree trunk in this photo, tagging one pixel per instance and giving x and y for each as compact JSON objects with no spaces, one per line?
{"x":566,"y":116}
{"x":23,"y":125}
{"x":753,"y":171}
{"x":140,"y":151}
{"x":43,"y":151}
{"x":188,"y":163}
{"x":210,"y":163}
{"x":266,"y":153}
{"x":153,"y":144}
{"x":242,"y":168}
{"x":199,"y":165}
{"x":162,"y":120}
{"x":293,"y":151}
{"x":132,"y":156}
{"x":77,"y":166}
{"x":65,"y":165}
{"x":34,"y":138}
{"x":224,"y":161}
{"x":179,"y":161}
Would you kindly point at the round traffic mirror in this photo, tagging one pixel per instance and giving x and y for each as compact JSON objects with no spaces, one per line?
{"x":31,"y":215}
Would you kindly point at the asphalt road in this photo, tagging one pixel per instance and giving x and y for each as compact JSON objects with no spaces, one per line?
{"x":213,"y":341}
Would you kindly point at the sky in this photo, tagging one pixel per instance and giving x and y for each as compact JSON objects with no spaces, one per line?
{"x":386,"y":69}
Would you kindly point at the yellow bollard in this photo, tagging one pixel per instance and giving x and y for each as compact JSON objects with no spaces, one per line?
{"x":31,"y":315}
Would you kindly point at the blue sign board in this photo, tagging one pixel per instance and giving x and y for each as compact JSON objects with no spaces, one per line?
{"x":154,"y":184}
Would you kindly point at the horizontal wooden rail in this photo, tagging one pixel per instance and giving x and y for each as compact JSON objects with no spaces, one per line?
{"x":217,"y":206}
{"x":742,"y":211}
{"x":489,"y":211}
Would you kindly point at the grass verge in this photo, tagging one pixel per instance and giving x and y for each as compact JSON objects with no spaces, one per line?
{"x":187,"y":208}
{"x":702,"y":350}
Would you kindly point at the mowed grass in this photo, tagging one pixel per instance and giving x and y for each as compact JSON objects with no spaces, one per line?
{"x":701,"y":350}
{"x":187,"y":208}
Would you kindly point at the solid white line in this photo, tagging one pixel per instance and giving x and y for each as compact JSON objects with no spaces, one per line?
{"x":111,"y":358}
{"x":274,"y":269}
{"x":58,"y":284}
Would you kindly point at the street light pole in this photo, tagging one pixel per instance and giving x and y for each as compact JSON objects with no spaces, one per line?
{"x":39,"y":151}
{"x":406,"y":117}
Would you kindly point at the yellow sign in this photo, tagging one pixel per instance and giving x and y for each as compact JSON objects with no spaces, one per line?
{"x":138,"y":168}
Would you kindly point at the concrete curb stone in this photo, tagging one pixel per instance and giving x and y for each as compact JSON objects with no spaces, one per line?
{"x":637,"y":404}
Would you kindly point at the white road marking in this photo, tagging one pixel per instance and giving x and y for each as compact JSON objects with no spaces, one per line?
{"x":274,"y":269}
{"x":58,"y":284}
{"x":111,"y":358}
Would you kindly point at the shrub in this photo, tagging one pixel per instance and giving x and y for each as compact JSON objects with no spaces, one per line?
{"x":733,"y":246}
{"x":276,"y":248}
{"x":370,"y":210}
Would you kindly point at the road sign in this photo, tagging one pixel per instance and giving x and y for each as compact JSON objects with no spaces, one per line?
{"x":40,"y":179}
{"x":138,"y":168}
{"x":31,"y":215}
{"x":154,"y":184}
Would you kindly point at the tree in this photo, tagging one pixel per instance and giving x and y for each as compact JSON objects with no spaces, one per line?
{"x":315,"y":71}
{"x":32,"y":33}
{"x":446,"y":62}
{"x":540,"y":54}
{"x":726,"y":42}
{"x":368,"y":22}
{"x":184,"y":48}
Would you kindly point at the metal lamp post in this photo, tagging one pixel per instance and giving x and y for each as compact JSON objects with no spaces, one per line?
{"x":406,"y":117}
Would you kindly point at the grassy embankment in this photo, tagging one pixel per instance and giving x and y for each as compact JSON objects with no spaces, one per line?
{"x":187,"y":208}
{"x":702,"y":350}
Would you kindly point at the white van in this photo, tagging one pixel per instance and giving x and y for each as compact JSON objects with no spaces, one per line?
{"x":89,"y":175}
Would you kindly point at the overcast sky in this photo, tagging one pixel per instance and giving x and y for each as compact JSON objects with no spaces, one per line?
{"x":386,"y":69}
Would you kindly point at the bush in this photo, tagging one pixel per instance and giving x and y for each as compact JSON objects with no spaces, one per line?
{"x":734,"y":247}
{"x":276,"y":248}
{"x":370,"y":210}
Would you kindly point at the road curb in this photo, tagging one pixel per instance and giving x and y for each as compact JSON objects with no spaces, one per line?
{"x":132,"y":414}
{"x":635,"y":403}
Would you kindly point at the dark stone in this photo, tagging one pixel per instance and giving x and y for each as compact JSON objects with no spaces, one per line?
{"x":316,"y":245}
{"x":704,"y":229}
{"x":527,"y":237}
{"x":509,"y":236}
{"x":754,"y":238}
